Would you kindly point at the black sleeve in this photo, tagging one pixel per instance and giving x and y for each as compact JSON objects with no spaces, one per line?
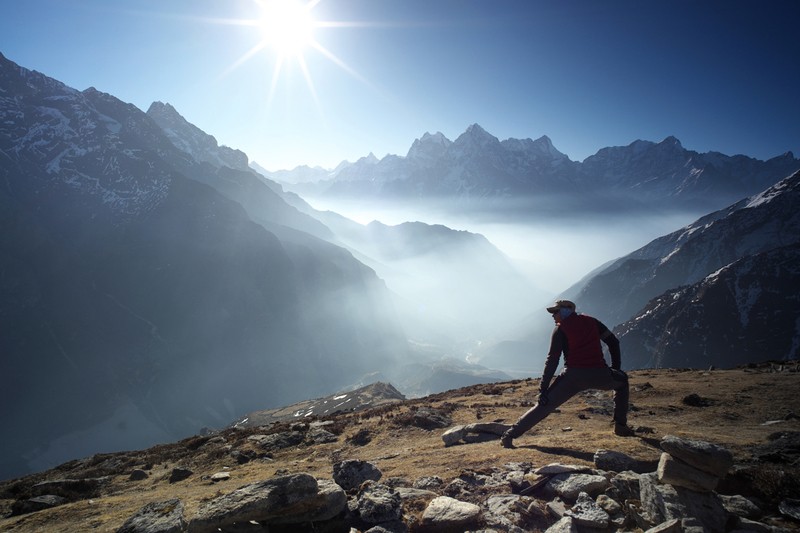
{"x":613,"y":345}
{"x":553,"y":357}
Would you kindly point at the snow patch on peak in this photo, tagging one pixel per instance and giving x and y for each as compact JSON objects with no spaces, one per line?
{"x":770,"y":194}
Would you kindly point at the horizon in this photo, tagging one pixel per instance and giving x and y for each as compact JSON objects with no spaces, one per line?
{"x":362,"y":77}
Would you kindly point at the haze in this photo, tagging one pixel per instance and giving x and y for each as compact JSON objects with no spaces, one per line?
{"x":552,"y":251}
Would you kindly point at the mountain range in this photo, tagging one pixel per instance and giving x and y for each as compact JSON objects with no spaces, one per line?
{"x":478,"y":166}
{"x":152,"y":282}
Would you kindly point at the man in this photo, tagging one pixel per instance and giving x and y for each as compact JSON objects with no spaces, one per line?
{"x":578,"y":336}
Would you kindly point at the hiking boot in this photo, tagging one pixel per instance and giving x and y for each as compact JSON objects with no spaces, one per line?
{"x":507,"y":440}
{"x":622,"y":430}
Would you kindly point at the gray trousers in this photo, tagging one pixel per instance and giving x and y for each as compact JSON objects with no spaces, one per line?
{"x":569,"y":383}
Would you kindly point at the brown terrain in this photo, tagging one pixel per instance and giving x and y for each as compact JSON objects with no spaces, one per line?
{"x":747,"y":410}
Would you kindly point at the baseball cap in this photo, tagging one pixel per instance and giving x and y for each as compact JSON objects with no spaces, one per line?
{"x":561,"y":304}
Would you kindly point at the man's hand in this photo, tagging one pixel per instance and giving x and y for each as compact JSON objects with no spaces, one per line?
{"x":543,"y":399}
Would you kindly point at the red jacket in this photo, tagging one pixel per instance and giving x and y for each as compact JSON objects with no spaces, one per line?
{"x":582,"y":347}
{"x":578,"y":337}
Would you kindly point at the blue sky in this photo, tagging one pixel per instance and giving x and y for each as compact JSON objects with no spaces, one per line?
{"x":719,"y":75}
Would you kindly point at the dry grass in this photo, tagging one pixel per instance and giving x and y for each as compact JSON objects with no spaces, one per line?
{"x":740,"y":402}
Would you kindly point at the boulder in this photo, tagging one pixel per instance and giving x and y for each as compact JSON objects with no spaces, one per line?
{"x":37,"y":503}
{"x":661,"y":502}
{"x":569,"y":486}
{"x":680,"y":474}
{"x":293,"y":498}
{"x":179,"y":474}
{"x":378,"y":503}
{"x":587,"y":513}
{"x":157,"y":517}
{"x":352,"y":473}
{"x":617,"y":462}
{"x":445,"y":513}
{"x":427,"y":418}
{"x":704,"y":456}
{"x":476,"y":432}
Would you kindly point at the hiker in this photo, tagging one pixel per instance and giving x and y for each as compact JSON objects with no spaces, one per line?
{"x":578,"y":336}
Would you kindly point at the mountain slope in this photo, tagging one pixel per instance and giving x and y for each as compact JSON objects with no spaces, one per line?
{"x":227,"y":171}
{"x":745,"y":312}
{"x":760,"y":223}
{"x":137,"y":302}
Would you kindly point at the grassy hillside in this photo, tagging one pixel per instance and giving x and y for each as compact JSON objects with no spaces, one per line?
{"x":742,"y":409}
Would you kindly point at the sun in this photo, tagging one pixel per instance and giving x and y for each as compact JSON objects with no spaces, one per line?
{"x":287,"y":26}
{"x":286,"y":29}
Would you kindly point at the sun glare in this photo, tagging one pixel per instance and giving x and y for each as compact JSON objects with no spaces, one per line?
{"x":287,"y":26}
{"x":286,"y":30}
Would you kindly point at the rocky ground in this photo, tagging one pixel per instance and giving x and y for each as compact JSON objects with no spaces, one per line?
{"x":751,"y":412}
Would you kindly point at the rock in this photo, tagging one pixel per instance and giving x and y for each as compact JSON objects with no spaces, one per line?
{"x":453,"y":435}
{"x":569,"y":486}
{"x":564,"y":525}
{"x":408,"y":493}
{"x":790,"y":507}
{"x":220,"y":476}
{"x":670,"y":526}
{"x":752,"y":526}
{"x":179,"y":474}
{"x":679,"y":474}
{"x":378,"y":503}
{"x":157,"y":517}
{"x":352,"y":473}
{"x":445,"y":512}
{"x":72,"y":489}
{"x":558,"y":468}
{"x":288,"y":499}
{"x":389,"y":527}
{"x":37,"y":503}
{"x":556,"y":508}
{"x":362,"y":437}
{"x":279,"y":441}
{"x":427,"y":418}
{"x":609,"y":505}
{"x":138,"y":475}
{"x":492,"y":428}
{"x":741,"y":506}
{"x":477,"y":432}
{"x":587,"y":513}
{"x":704,"y":456}
{"x":428,"y":482}
{"x":662,"y":502}
{"x":504,"y":512}
{"x":317,"y":435}
{"x":695,"y":400}
{"x":615,"y":461}
{"x":625,"y":486}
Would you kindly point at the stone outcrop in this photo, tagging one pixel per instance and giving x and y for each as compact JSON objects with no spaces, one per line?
{"x":471,"y":433}
{"x":294,"y":498}
{"x":157,"y":517}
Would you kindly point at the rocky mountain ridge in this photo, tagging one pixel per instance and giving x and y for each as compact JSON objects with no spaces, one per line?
{"x":478,"y":165}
